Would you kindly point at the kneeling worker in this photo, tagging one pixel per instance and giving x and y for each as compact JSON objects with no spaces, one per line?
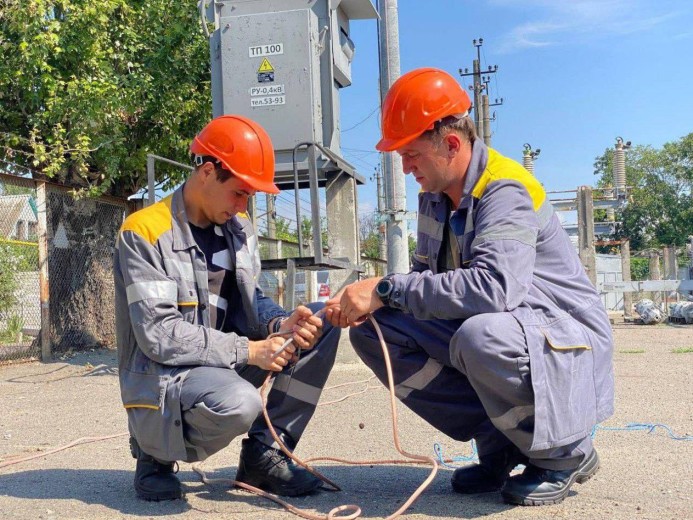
{"x":193,"y":326}
{"x":497,"y":333}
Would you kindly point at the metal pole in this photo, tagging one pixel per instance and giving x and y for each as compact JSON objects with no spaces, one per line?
{"x":43,"y":272}
{"x":151,"y":180}
{"x":315,"y":204}
{"x":393,"y":177}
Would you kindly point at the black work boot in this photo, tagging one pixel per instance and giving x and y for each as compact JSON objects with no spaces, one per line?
{"x":538,"y":487}
{"x":272,"y":470}
{"x":490,"y":473}
{"x":154,"y":480}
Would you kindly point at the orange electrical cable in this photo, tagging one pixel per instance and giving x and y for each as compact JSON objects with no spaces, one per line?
{"x":414,"y":459}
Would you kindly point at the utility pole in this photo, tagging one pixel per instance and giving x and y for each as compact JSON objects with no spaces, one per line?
{"x":585,"y":208}
{"x":481,"y":112}
{"x":393,"y":176}
{"x":271,"y":224}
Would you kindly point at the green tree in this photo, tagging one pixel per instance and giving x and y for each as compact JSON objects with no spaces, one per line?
{"x":8,"y":283}
{"x":87,"y":89}
{"x":369,"y":235}
{"x":660,"y":205}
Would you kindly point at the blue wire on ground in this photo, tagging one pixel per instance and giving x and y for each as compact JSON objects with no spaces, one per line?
{"x":438,"y":450}
{"x":630,"y":427}
{"x":650,"y":427}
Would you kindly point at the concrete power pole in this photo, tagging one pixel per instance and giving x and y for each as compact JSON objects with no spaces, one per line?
{"x":482,"y":118}
{"x":382,"y":228}
{"x":486,"y":119}
{"x":393,"y":176}
{"x":585,"y":207}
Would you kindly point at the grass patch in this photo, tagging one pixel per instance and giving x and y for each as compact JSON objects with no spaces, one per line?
{"x":638,"y":351}
{"x":683,"y":350}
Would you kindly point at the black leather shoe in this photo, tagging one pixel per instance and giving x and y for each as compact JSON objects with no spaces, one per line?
{"x":539,"y":487}
{"x":272,"y":470}
{"x":154,"y":480}
{"x":490,"y":473}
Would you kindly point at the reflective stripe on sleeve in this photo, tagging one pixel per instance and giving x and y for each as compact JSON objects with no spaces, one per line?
{"x":508,"y":232}
{"x":544,"y":213}
{"x":158,"y":290}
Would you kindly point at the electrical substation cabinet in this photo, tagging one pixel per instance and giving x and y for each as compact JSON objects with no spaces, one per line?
{"x":282,"y":63}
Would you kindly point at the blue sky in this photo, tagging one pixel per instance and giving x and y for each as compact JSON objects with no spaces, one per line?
{"x":574,"y":74}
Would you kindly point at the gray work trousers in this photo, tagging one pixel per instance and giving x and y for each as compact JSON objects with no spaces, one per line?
{"x":219,"y":404}
{"x":469,"y":379}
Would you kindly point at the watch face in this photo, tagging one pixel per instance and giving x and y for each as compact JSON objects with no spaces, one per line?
{"x":384,"y":287}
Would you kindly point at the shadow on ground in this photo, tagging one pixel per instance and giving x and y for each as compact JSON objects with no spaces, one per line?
{"x":378,"y":490}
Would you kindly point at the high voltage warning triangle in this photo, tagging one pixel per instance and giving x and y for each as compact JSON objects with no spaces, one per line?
{"x":265,"y":66}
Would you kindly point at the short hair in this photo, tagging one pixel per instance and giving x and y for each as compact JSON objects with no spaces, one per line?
{"x":462,"y":126}
{"x":222,"y":173}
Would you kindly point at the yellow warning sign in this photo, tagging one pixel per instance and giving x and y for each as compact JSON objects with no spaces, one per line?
{"x":265,"y":66}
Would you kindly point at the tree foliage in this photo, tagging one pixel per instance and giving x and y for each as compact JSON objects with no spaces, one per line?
{"x":660,"y":204}
{"x":369,"y":235}
{"x":88,"y":89}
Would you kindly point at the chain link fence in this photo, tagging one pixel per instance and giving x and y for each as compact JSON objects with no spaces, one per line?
{"x":81,"y":239}
{"x":20,"y":311}
{"x":77,"y":278}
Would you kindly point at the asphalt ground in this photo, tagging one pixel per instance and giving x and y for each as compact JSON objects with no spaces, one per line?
{"x":643,"y":475}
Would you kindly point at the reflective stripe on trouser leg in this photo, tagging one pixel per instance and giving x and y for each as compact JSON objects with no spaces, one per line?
{"x":217,"y":405}
{"x":425,"y":380}
{"x":492,"y":350}
{"x":294,"y":395}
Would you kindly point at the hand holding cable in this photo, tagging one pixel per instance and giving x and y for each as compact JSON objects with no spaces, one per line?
{"x":271,"y":354}
{"x":352,"y":305}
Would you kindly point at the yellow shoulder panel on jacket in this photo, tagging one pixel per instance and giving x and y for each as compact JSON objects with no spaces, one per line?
{"x":501,"y":168}
{"x":151,"y":222}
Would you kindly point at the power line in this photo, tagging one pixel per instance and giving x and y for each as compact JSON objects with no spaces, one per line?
{"x":363,"y":120}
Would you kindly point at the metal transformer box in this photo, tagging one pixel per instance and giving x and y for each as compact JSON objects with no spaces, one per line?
{"x":282,"y":63}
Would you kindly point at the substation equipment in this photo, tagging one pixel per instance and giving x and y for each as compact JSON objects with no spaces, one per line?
{"x":283,"y":63}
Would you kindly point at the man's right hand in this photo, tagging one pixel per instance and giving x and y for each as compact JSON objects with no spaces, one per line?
{"x":260,"y":353}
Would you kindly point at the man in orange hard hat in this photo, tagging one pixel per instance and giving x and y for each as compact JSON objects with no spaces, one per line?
{"x":193,"y":326}
{"x":497,"y":333}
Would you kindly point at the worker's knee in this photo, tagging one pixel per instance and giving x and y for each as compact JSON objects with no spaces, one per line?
{"x":362,"y":337}
{"x":476,"y":342}
{"x":237,"y":410}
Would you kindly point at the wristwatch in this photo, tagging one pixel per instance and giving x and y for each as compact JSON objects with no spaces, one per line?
{"x":384,"y":289}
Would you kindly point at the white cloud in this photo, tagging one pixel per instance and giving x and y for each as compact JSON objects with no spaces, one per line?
{"x":560,"y":22}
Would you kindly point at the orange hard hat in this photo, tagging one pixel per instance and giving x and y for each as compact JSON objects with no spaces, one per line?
{"x":242,"y":146}
{"x":415,"y":102}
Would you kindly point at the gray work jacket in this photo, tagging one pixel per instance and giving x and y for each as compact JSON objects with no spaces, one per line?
{"x":162,"y":316}
{"x":516,"y":258}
